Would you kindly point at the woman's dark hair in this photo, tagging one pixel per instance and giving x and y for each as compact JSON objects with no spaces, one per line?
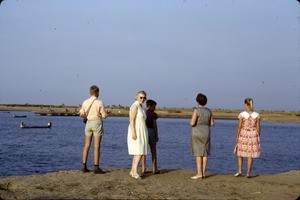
{"x":201,"y":99}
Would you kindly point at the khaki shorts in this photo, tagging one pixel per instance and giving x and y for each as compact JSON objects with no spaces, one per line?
{"x":94,"y":128}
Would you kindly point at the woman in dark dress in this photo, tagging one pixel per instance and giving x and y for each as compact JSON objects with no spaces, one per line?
{"x":201,"y":121}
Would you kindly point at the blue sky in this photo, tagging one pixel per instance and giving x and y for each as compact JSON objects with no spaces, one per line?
{"x":52,"y":51}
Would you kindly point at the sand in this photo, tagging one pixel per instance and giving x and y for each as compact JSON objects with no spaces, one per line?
{"x":170,"y":184}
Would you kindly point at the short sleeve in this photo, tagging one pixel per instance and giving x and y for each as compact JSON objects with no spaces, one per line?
{"x":82,"y":110}
{"x":155,"y":116}
{"x":102,"y":109}
{"x":240,"y":116}
{"x":255,"y":115}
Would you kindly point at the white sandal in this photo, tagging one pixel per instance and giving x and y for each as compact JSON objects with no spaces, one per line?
{"x":238,"y":174}
{"x":197,"y":176}
{"x":135,"y":175}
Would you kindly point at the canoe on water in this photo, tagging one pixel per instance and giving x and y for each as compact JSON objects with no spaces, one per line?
{"x":19,"y":116}
{"x":23,"y":125}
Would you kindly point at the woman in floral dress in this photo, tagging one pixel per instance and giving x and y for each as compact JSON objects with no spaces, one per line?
{"x":248,"y":137}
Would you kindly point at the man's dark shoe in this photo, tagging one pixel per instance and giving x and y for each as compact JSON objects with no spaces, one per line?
{"x":99,"y":171}
{"x":85,"y":170}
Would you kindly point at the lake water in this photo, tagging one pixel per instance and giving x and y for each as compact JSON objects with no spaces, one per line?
{"x":37,"y":151}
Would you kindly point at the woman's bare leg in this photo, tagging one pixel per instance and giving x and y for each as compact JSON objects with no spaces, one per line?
{"x":199,"y":162}
{"x":249,"y":165}
{"x":204,"y":164}
{"x":135,"y":162}
{"x":240,"y":164}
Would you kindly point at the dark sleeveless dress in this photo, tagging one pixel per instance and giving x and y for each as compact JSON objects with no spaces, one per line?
{"x":200,"y":140}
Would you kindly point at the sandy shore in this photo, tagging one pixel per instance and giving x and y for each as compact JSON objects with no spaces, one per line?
{"x":171,"y":184}
{"x":267,"y":116}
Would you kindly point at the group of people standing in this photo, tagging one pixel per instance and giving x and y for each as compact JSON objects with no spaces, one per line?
{"x":247,"y":137}
{"x":143,"y":131}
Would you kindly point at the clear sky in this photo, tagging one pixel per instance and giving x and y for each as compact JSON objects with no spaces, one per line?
{"x":52,"y":51}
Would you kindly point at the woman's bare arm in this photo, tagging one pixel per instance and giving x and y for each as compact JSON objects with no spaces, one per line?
{"x":132,"y":116}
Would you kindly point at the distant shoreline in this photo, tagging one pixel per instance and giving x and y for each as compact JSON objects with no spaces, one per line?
{"x":185,"y":113}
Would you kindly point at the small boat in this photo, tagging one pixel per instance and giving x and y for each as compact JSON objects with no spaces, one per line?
{"x":23,"y":125}
{"x":19,"y":116}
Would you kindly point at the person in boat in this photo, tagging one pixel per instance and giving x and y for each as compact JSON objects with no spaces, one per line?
{"x":93,"y":110}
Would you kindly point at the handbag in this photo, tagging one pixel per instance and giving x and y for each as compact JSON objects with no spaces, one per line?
{"x":87,"y":112}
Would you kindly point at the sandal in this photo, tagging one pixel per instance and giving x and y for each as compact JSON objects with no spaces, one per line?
{"x":136,"y":176}
{"x":238,"y":174}
{"x":197,"y":177}
{"x":247,"y":176}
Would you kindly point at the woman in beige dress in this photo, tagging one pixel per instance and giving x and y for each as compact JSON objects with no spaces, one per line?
{"x":137,"y":138}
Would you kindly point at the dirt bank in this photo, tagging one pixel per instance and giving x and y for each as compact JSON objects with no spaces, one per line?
{"x":171,"y":184}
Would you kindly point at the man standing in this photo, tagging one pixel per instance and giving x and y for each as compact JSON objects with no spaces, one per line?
{"x":94,"y":111}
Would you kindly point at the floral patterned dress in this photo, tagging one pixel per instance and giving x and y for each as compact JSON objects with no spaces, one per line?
{"x":248,"y":144}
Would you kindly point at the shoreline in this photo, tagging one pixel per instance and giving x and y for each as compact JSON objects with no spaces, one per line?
{"x":170,"y":184}
{"x":266,"y":116}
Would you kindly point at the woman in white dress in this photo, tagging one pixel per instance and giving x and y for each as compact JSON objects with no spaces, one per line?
{"x":137,"y":138}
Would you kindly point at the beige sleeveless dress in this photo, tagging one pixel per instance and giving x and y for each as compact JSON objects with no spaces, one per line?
{"x":140,"y":145}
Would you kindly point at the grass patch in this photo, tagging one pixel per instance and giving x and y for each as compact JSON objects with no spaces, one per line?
{"x":41,"y":187}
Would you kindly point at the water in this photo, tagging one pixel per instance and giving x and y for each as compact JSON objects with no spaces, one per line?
{"x":37,"y":151}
